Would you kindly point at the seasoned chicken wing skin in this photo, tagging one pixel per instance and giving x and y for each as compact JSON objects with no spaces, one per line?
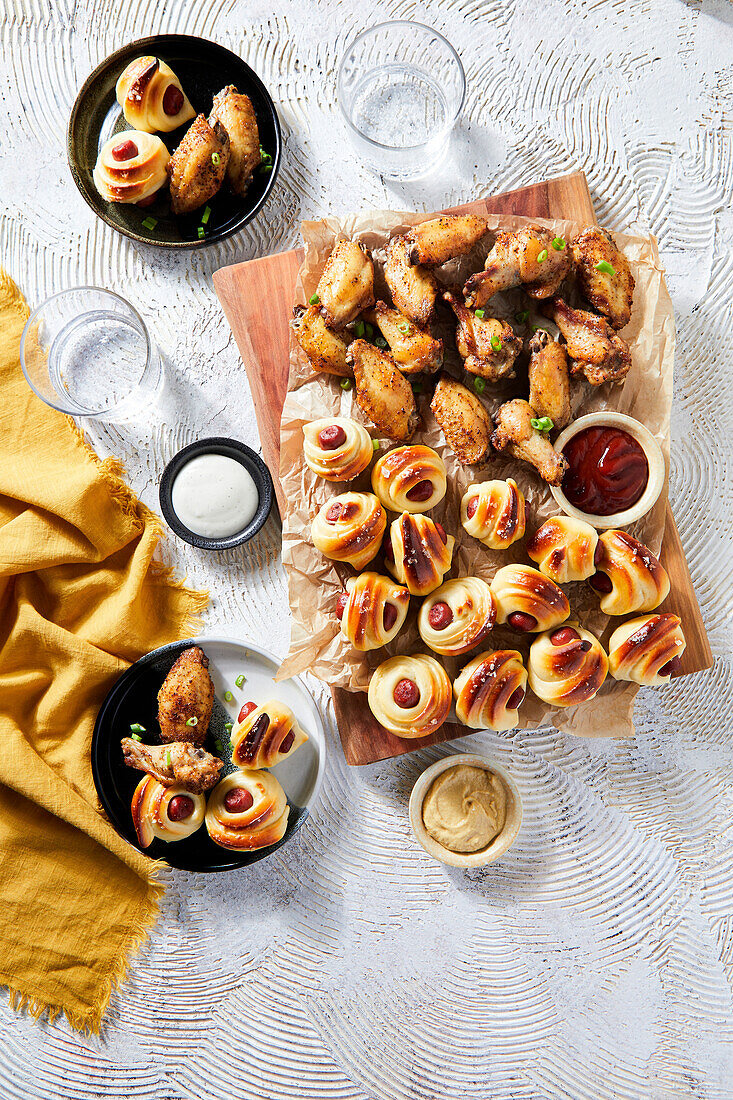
{"x":487,"y":346}
{"x":549,"y":379}
{"x":465,"y":422}
{"x":325,"y":348}
{"x":441,"y":239}
{"x":413,"y":349}
{"x":237,"y":115}
{"x":593,"y":347}
{"x":526,"y":257}
{"x":186,"y":699}
{"x":346,"y":286}
{"x":198,"y":166}
{"x":413,"y":288}
{"x":603,"y":274}
{"x":514,"y":433}
{"x":179,"y":763}
{"x":382,"y":391}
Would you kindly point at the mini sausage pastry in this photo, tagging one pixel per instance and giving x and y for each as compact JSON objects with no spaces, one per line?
{"x":410,"y":696}
{"x":346,"y":286}
{"x":418,"y":553}
{"x":372,"y":611}
{"x":527,"y":601}
{"x":337,"y":448}
{"x":647,"y":650}
{"x":494,"y":513}
{"x":564,"y":549}
{"x":566,"y":666}
{"x":247,"y":810}
{"x":131,"y":167}
{"x":457,"y":616}
{"x":629,"y":577}
{"x":267,"y":735}
{"x":490,"y":689}
{"x":151,"y":96}
{"x":349,"y":528}
{"x":410,"y":479}
{"x":168,"y":813}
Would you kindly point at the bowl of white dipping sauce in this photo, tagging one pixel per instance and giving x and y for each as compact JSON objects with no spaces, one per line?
{"x":216,"y":493}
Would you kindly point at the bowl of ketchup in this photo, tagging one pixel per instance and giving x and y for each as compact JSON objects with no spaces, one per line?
{"x":616,"y":469}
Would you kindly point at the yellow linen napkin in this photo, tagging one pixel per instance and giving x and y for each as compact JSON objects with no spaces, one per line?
{"x":80,"y":598}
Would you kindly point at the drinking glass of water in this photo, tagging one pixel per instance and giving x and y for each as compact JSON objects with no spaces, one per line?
{"x":87,"y":352}
{"x":401,"y":87}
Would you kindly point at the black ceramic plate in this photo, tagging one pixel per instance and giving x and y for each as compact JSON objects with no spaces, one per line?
{"x":203,"y":69}
{"x":133,"y":699}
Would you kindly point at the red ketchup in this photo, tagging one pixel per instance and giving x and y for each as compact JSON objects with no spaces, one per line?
{"x":607,"y":471}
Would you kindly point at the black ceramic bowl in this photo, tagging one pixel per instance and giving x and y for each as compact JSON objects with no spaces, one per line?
{"x":232,"y":448}
{"x":203,"y":68}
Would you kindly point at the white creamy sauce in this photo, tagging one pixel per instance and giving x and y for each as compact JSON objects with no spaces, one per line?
{"x":214,"y":496}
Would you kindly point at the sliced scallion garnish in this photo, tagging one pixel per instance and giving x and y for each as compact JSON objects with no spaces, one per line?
{"x":150,"y":223}
{"x":480,"y":313}
{"x":206,"y":215}
{"x":313,"y":300}
{"x":606,"y":268}
{"x":542,"y":424}
{"x":228,"y":696}
{"x":345,"y":383}
{"x":479,"y":385}
{"x":558,"y":244}
{"x":496,"y":343}
{"x":192,"y":721}
{"x":136,"y":737}
{"x":542,"y":256}
{"x":137,"y":728}
{"x":240,"y":680}
{"x":215,"y":159}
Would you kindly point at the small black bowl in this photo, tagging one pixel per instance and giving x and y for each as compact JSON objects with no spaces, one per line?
{"x":203,"y":68}
{"x":254,"y":465}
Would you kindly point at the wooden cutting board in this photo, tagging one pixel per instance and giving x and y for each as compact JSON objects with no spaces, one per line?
{"x":257,"y":298}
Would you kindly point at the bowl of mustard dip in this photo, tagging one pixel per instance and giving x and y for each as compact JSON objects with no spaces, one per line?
{"x":465,"y":810}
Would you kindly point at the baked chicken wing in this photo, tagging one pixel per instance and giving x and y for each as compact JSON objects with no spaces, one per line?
{"x":549,"y":379}
{"x":413,"y":288}
{"x":593,"y":347}
{"x":186,"y":699}
{"x":413,"y":349}
{"x":198,"y":166}
{"x":178,"y":763}
{"x":465,"y":422}
{"x":346,"y":286}
{"x":487,"y":346}
{"x":526,"y":258}
{"x":514,"y":433}
{"x":325,"y":348}
{"x":603,"y":274}
{"x":237,"y":115}
{"x":382,"y":392}
{"x":441,"y":239}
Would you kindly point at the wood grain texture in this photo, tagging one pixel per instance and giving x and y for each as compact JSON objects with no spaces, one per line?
{"x":263,"y":341}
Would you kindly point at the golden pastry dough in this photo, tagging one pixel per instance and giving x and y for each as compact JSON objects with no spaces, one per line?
{"x":151,"y":96}
{"x":247,"y":810}
{"x":457,"y":616}
{"x":338,"y":456}
{"x":419,"y":553}
{"x":374,"y":612}
{"x":637,"y":581}
{"x":490,"y":689}
{"x":494,"y":513}
{"x":563,"y":548}
{"x":349,"y":528}
{"x":131,"y":167}
{"x":647,"y":650}
{"x":410,"y":479}
{"x":567,"y":666}
{"x":151,"y":803}
{"x":266,"y":736}
{"x":430,"y":700}
{"x":522,"y":594}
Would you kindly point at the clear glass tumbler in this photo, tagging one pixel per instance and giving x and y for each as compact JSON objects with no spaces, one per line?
{"x":87,"y":352}
{"x":401,"y":87}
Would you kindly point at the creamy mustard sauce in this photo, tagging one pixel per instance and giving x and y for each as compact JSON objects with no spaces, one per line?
{"x":465,"y":808}
{"x":214,"y":496}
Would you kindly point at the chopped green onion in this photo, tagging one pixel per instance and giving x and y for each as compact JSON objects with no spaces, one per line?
{"x":375,"y":444}
{"x":345,"y":383}
{"x":542,"y":424}
{"x":313,"y":300}
{"x":192,"y":721}
{"x":229,"y":726}
{"x":137,"y":728}
{"x":496,"y":343}
{"x":240,"y":680}
{"x":206,"y":215}
{"x":150,"y":223}
{"x":479,"y":384}
{"x":265,"y":168}
{"x":136,"y":737}
{"x":417,"y":387}
{"x":368,"y":330}
{"x":558,"y":244}
{"x":404,"y":328}
{"x":542,"y":256}
{"x":215,"y":159}
{"x":228,"y":696}
{"x":479,"y":313}
{"x":522,"y":316}
{"x":606,"y":268}
{"x":380,"y":342}
{"x":201,"y":232}
{"x":538,"y":328}
{"x":359,"y":329}
{"x":168,"y":757}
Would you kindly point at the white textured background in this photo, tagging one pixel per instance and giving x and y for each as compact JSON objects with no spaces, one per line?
{"x":596,"y":959}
